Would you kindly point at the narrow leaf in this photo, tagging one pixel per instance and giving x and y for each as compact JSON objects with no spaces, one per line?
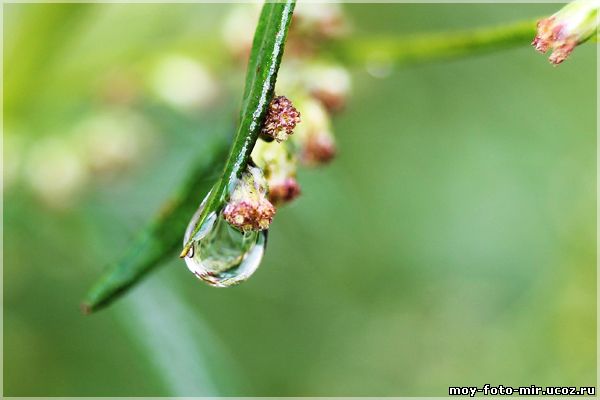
{"x":265,"y":58}
{"x":159,"y":240}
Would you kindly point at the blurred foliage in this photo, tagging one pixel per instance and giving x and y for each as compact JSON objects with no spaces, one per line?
{"x":452,"y":242}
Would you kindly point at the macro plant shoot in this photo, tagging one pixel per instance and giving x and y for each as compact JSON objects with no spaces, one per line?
{"x":393,"y":199}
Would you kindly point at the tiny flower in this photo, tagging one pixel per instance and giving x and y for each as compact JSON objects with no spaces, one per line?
{"x":319,"y":148}
{"x":314,"y":139}
{"x":281,"y":119}
{"x":572,"y":25}
{"x":247,"y":216}
{"x":280,"y":170}
{"x":284,"y":191}
{"x":248,"y":208}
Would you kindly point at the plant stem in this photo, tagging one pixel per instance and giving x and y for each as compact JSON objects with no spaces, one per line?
{"x":265,"y":58}
{"x":429,"y":47}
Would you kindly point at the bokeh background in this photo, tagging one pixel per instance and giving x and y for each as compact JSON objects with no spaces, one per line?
{"x":452,"y":241}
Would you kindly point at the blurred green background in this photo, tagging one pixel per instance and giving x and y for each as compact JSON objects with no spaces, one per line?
{"x":452,"y":242}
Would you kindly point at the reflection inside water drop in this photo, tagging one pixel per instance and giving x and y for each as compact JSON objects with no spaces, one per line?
{"x":221,"y":255}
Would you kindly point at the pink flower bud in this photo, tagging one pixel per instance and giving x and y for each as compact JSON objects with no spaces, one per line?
{"x":563,"y":31}
{"x":249,"y":216}
{"x":284,"y":191}
{"x":319,"y":148}
{"x":281,"y":119}
{"x":314,"y":139}
{"x":248,"y":208}
{"x":279,"y":166}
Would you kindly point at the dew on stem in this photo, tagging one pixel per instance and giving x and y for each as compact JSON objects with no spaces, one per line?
{"x":229,"y":244}
{"x":265,"y":58}
{"x":221,"y":255}
{"x":248,"y":208}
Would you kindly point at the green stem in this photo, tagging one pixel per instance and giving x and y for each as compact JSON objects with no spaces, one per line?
{"x":265,"y":58}
{"x":429,"y":47}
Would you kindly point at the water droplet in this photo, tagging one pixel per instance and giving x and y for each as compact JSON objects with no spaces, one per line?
{"x":379,"y":69}
{"x":221,"y":255}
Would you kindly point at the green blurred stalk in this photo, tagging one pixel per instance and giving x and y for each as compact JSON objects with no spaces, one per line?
{"x":431,"y":47}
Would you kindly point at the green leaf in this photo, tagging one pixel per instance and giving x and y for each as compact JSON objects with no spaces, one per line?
{"x":265,"y":58}
{"x":160,"y":239}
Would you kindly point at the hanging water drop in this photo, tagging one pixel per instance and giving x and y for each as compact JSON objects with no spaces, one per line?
{"x":221,"y":255}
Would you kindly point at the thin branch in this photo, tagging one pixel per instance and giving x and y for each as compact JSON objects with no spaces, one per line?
{"x":430,"y":47}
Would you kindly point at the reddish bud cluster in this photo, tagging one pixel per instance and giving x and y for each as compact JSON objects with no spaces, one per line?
{"x":555,"y":36}
{"x":318,"y":149}
{"x":249,"y":216}
{"x":285,"y":191}
{"x":281,"y":119}
{"x":248,"y":208}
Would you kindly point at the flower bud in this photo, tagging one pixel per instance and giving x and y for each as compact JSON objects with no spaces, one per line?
{"x":280,"y":170}
{"x":572,"y":25}
{"x":281,"y":119}
{"x":248,"y":208}
{"x":319,"y":148}
{"x":284,"y":191}
{"x":314,"y":138}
